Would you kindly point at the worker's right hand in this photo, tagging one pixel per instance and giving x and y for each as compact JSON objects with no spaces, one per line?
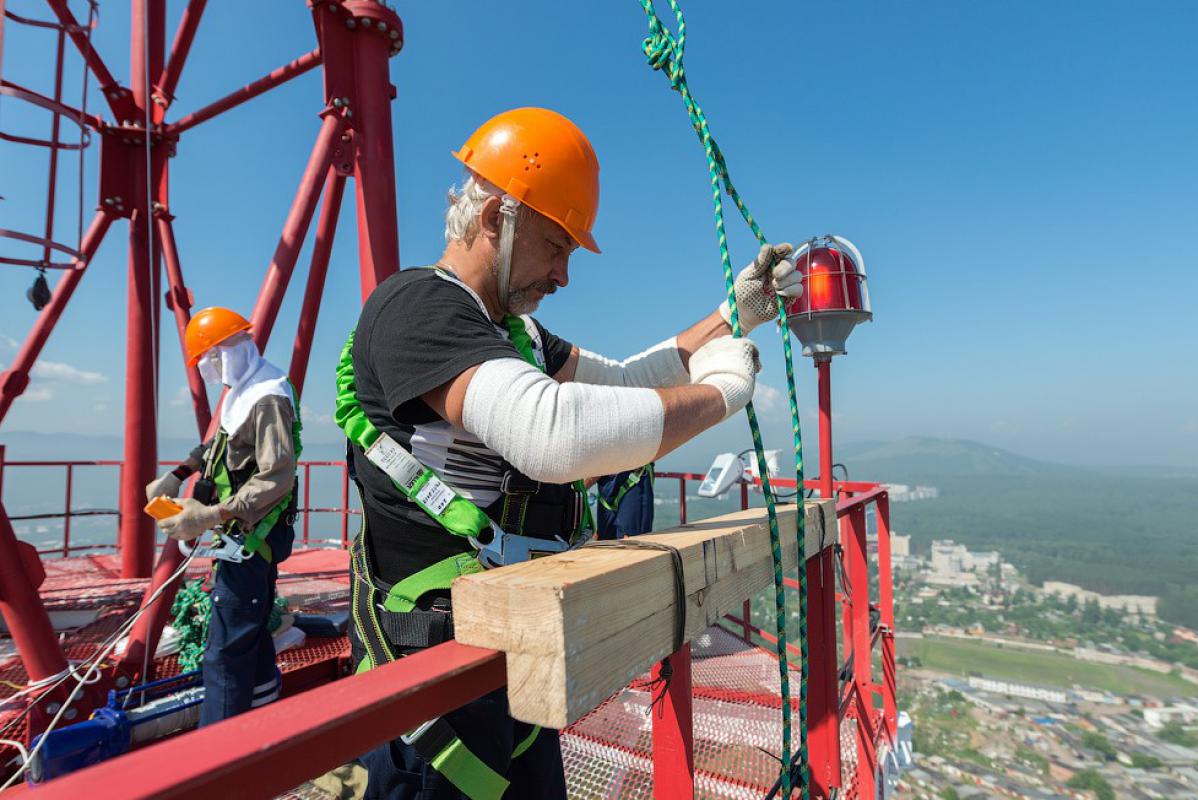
{"x":731,"y":366}
{"x":166,"y":484}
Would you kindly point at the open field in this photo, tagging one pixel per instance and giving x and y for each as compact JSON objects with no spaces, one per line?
{"x":1044,"y":669}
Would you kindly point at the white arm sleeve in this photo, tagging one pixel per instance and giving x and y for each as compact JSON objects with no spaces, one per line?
{"x":560,"y":432}
{"x":657,"y":367}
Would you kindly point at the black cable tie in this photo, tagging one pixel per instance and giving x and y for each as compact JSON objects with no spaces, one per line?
{"x":633,"y":543}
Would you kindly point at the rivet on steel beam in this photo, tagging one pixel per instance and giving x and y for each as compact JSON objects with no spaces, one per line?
{"x":71,"y":713}
{"x":382,"y":26}
{"x":122,"y":682}
{"x":394,"y":33}
{"x":351,"y":23}
{"x":53,"y":708}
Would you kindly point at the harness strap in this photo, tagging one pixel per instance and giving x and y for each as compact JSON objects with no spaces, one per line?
{"x":440,"y":746}
{"x":403,"y":596}
{"x":632,"y":480}
{"x":414,"y":481}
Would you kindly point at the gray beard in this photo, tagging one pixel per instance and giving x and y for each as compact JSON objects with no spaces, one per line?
{"x":521,"y":301}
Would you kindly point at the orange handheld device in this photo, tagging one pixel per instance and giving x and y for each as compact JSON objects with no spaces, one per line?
{"x":162,"y":507}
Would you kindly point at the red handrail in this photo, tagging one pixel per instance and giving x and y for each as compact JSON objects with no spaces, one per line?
{"x":275,"y":748}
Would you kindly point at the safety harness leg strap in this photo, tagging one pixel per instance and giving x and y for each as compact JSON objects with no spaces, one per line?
{"x":439,"y":745}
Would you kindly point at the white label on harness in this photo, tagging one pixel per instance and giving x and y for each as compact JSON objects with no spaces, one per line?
{"x":400,"y":465}
{"x":434,"y":495}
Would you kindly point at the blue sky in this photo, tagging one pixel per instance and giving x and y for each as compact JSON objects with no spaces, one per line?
{"x":1021,"y":178}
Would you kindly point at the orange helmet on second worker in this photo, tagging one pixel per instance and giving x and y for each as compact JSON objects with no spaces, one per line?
{"x":543,"y":160}
{"x":210,"y":327}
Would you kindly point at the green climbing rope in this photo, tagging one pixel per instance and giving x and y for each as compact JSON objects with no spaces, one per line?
{"x":665,"y":51}
{"x":192,"y":610}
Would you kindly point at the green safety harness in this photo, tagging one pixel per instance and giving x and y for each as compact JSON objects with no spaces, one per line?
{"x":381,"y":617}
{"x":227,"y":482}
{"x":664,"y":51}
{"x":634,"y":477}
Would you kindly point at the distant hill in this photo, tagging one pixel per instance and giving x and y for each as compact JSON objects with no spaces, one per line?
{"x":1129,"y":532}
{"x":918,"y":459}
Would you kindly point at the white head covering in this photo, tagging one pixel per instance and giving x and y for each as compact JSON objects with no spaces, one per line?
{"x":249,"y":377}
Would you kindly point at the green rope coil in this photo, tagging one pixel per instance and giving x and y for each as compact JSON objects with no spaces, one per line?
{"x":192,"y":611}
{"x":664,"y":52}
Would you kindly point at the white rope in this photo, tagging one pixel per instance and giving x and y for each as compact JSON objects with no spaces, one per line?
{"x":92,"y":673}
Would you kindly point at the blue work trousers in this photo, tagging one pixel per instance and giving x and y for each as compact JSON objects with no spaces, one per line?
{"x":239,"y":659}
{"x":634,"y":512}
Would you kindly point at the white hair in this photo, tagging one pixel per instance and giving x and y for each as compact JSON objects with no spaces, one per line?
{"x":465,"y":205}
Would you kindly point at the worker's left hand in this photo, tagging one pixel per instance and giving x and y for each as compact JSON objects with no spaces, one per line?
{"x":192,"y":521}
{"x":758,"y":285}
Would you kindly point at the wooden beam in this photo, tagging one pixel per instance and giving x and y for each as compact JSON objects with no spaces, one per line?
{"x":578,"y":626}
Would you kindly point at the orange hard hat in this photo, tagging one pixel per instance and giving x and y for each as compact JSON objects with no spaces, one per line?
{"x":210,"y":327}
{"x":543,"y":160}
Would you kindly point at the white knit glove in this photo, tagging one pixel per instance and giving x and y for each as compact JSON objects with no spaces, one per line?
{"x":192,"y":521}
{"x":730,"y":365}
{"x":770,"y":274}
{"x":166,"y":484}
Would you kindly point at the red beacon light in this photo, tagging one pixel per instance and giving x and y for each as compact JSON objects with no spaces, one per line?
{"x":835,"y":296}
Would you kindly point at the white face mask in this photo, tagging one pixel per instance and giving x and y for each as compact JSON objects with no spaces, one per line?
{"x":210,"y":366}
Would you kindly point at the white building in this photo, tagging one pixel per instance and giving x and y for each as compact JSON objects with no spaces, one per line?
{"x":1185,"y":713}
{"x":948,"y":558}
{"x":1024,"y":690}
{"x":1132,"y":603}
{"x":902,"y":493}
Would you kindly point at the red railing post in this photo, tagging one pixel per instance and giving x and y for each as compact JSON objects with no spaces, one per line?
{"x":307,"y":499}
{"x":886,"y":606}
{"x":823,"y":726}
{"x":673,"y":730}
{"x":66,"y":516}
{"x":681,"y":501}
{"x":862,"y":662}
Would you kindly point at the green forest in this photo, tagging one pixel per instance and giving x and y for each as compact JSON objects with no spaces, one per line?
{"x":1115,"y":533}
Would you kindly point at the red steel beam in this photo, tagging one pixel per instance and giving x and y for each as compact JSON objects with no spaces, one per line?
{"x":278,"y":274}
{"x":164,"y":87}
{"x":108,"y":85}
{"x":673,"y":729}
{"x":322,"y":248}
{"x":22,"y":608}
{"x":16,"y":377}
{"x":251,"y":90}
{"x":146,"y":46}
{"x":374,"y":162}
{"x":180,"y":303}
{"x":270,"y":750}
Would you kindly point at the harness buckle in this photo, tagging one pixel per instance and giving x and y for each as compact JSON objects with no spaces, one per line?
{"x":515,"y":483}
{"x":227,"y":548}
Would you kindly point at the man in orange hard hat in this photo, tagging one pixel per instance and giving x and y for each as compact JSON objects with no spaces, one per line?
{"x":471,"y":426}
{"x":246,"y":492}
